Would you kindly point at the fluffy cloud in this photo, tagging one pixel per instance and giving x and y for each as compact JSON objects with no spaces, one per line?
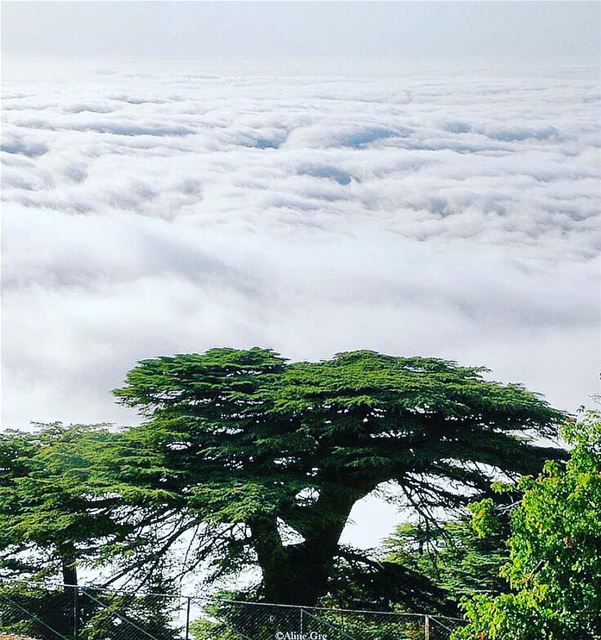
{"x":455,"y":216}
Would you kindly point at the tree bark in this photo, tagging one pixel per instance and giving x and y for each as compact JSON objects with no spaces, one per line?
{"x":298,"y":574}
{"x":271,"y":553}
{"x":69,"y":565}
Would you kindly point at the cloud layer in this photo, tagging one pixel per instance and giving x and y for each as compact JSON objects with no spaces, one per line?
{"x":150,"y":213}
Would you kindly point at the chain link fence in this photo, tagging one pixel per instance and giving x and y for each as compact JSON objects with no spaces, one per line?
{"x":86,"y":613}
{"x":65,"y":612}
{"x":231,"y":620}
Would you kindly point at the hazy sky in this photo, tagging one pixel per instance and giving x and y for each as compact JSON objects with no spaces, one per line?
{"x":299,"y":29}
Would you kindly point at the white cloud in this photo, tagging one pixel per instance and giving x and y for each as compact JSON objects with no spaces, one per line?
{"x":144,"y":214}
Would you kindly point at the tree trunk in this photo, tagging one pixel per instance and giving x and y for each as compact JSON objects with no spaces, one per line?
{"x":298,"y":574}
{"x":69,"y":565}
{"x":271,"y":553}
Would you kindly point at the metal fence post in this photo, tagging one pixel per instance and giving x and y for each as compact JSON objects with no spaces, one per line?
{"x":427,"y":627}
{"x":76,"y":613}
{"x":188,"y":618}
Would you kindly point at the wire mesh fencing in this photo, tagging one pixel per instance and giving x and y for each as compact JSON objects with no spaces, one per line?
{"x":36,"y":611}
{"x":110,"y":615}
{"x":86,"y":613}
{"x":64,"y":612}
{"x":231,"y":620}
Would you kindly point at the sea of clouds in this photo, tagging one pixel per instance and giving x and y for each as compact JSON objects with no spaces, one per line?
{"x":170,"y":211}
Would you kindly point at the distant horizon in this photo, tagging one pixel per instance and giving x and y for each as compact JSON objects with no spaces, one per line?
{"x":255,"y":30}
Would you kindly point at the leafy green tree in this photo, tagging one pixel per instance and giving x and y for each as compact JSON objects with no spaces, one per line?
{"x":372,"y":580}
{"x":554,"y":568}
{"x":48,"y":612}
{"x":51,"y":524}
{"x":50,"y":519}
{"x":16,"y":448}
{"x":247,"y":459}
{"x":422,"y":567}
{"x":451,"y":556}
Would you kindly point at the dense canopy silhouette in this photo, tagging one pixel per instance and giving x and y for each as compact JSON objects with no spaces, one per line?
{"x":259,"y":460}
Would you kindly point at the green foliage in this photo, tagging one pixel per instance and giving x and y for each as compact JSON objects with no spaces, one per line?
{"x":47,"y":613}
{"x":554,"y":569}
{"x":234,"y":620}
{"x":247,"y":460}
{"x":22,"y":605}
{"x":425,"y":566}
{"x":50,"y":516}
{"x":451,"y":556}
{"x":208,"y":630}
{"x":224,"y":621}
{"x":128,"y":616}
{"x":265,"y":459}
{"x":368,"y":580}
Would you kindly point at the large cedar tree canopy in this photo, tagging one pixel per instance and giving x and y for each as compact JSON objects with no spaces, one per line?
{"x":263,"y":459}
